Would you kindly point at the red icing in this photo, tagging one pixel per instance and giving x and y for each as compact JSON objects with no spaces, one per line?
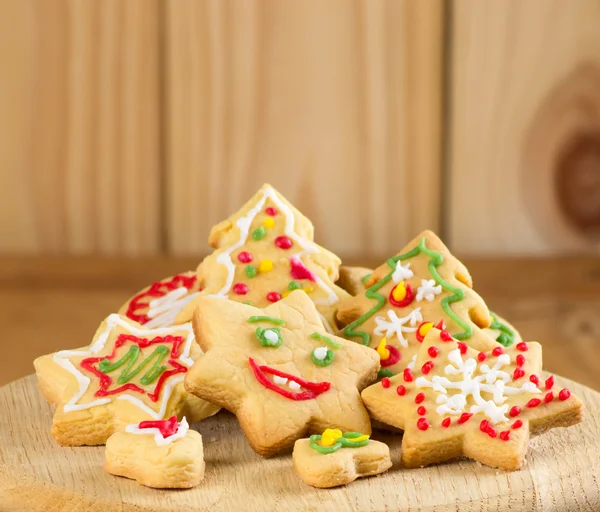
{"x":441,"y":325}
{"x":385,"y":382}
{"x":408,"y":375}
{"x":517,"y":424}
{"x":485,"y":427}
{"x":421,"y":411}
{"x":433,"y":351}
{"x":446,"y":422}
{"x":245,"y":257}
{"x":514,"y":411}
{"x":166,"y":427}
{"x":505,"y":435}
{"x":401,"y":390}
{"x":481,"y":356}
{"x":497,"y":351}
{"x":273,"y":297}
{"x":106,"y":380}
{"x":313,"y":389}
{"x":522,"y":346}
{"x":299,"y":271}
{"x":271,"y":211}
{"x":427,"y":367}
{"x":445,"y":336}
{"x":240,"y":288}
{"x":520,"y":360}
{"x":393,"y":358}
{"x":518,"y":373}
{"x":534,"y":379}
{"x":156,"y":290}
{"x":491,"y":432}
{"x":419,"y":398}
{"x":405,"y":301}
{"x":421,"y":337}
{"x":422,"y":424}
{"x":283,"y":242}
{"x":462,"y":347}
{"x":464,"y":417}
{"x":534,"y":402}
{"x":564,"y":394}
{"x":549,"y":384}
{"x":549,"y":397}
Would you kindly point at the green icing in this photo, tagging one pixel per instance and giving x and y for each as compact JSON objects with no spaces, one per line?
{"x":506,"y":336}
{"x":272,"y":319}
{"x":384,"y":372}
{"x":325,"y":362}
{"x":294,"y":285}
{"x":329,"y":341}
{"x":366,"y":277}
{"x":250,"y":271}
{"x":259,"y":233}
{"x":129,"y":360}
{"x":345,"y":441}
{"x":264,"y":341}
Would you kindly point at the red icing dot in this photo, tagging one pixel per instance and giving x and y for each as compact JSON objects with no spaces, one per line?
{"x":446,"y":422}
{"x":271,"y":211}
{"x":549,"y":382}
{"x":421,"y":411}
{"x":245,"y":257}
{"x":497,"y":351}
{"x":518,"y":373}
{"x":427,"y":367}
{"x":491,"y":432}
{"x":441,"y":325}
{"x":422,"y":424}
{"x":514,"y":411}
{"x":517,"y":424}
{"x":299,"y":271}
{"x":385,"y":382}
{"x":564,"y":394}
{"x":522,"y":346}
{"x":549,"y":397}
{"x":505,"y":435}
{"x":520,"y":360}
{"x":273,"y":297}
{"x":401,"y":390}
{"x":408,"y":375}
{"x":534,"y":379}
{"x":445,"y":336}
{"x":481,"y":356}
{"x":419,"y":398}
{"x":484,"y":425}
{"x":283,"y":242}
{"x":464,"y":417}
{"x":240,"y":288}
{"x":433,"y":351}
{"x":462,"y":347}
{"x":534,"y":402}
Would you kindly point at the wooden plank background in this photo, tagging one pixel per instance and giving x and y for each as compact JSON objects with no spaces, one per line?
{"x":130,"y":128}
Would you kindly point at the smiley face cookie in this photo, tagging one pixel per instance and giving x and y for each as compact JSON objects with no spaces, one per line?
{"x":279,"y":371}
{"x":335,"y":458}
{"x":264,"y":252}
{"x":126,"y":375}
{"x":460,"y":401}
{"x":164,"y":454}
{"x":423,"y":286}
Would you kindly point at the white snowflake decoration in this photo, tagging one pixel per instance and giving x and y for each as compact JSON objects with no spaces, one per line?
{"x":402,"y":272}
{"x":428,"y":290}
{"x":398,"y":326}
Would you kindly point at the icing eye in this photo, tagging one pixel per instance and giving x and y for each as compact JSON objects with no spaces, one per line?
{"x":270,"y":337}
{"x":322,"y":356}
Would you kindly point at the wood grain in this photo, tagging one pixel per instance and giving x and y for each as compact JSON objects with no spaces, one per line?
{"x":79,"y":124}
{"x":35,"y":473}
{"x":337,"y":104}
{"x":524,"y":87}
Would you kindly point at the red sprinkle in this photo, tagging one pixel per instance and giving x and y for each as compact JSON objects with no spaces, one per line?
{"x":462,"y":347}
{"x":385,"y":382}
{"x":422,"y":424}
{"x":445,"y":336}
{"x":549,"y":382}
{"x":408,"y":375}
{"x":534,"y":379}
{"x":421,"y":411}
{"x":245,"y":257}
{"x":522,"y":346}
{"x":401,"y":390}
{"x":419,"y":398}
{"x":441,"y":325}
{"x":484,"y":425}
{"x":271,"y":211}
{"x":491,"y":432}
{"x":564,"y":394}
{"x":497,"y":351}
{"x":517,"y":424}
{"x":481,"y":356}
{"x":427,"y":367}
{"x":549,"y":397}
{"x":446,"y":422}
{"x":534,"y":402}
{"x":520,"y":360}
{"x":518,"y":373}
{"x":273,"y":297}
{"x":283,"y":242}
{"x":514,"y":411}
{"x":505,"y":435}
{"x":240,"y":288}
{"x":464,"y":417}
{"x":433,"y":351}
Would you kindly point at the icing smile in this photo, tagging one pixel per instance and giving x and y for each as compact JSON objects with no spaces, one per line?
{"x":295,"y":387}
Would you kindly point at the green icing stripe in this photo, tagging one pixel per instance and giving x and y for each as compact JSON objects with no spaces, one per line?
{"x":273,"y":320}
{"x":329,"y":341}
{"x":345,"y":440}
{"x":130,"y":358}
{"x":506,"y":336}
{"x":373,"y":293}
{"x":384,"y":372}
{"x":366,"y":277}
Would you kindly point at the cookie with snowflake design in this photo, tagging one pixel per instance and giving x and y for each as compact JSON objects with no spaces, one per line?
{"x":421,"y":287}
{"x":460,"y":401}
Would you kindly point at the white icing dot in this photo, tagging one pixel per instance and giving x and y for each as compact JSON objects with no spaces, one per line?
{"x":271,"y":336}
{"x":294,"y":385}
{"x":279,"y":380}
{"x":320,"y":353}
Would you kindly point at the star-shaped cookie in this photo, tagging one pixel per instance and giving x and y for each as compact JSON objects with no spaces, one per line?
{"x":422,"y":286}
{"x":128,"y":374}
{"x":483,"y":405}
{"x":265,"y":251}
{"x":279,"y":371}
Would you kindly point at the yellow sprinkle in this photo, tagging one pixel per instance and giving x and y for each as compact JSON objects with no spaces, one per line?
{"x":330,"y":436}
{"x":269,"y":222}
{"x":359,"y":439}
{"x":265,"y":266}
{"x":308,"y":289}
{"x":399,"y":292}
{"x":383,"y":352}
{"x":285,"y":294}
{"x":425,"y":328}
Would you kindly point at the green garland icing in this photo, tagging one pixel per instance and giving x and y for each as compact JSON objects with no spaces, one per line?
{"x":130,"y":358}
{"x":272,"y":319}
{"x":329,"y":341}
{"x":366,"y":277}
{"x":506,"y":336}
{"x":345,"y":440}
{"x":372,"y":293}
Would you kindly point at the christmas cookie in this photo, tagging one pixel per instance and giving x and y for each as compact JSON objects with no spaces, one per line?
{"x":128,"y":374}
{"x":264,"y":252}
{"x":279,"y":371}
{"x":164,"y":454}
{"x":460,"y":401}
{"x":424,"y":285}
{"x":502,"y":331}
{"x":337,"y":458}
{"x":159,"y":304}
{"x":353,"y":279}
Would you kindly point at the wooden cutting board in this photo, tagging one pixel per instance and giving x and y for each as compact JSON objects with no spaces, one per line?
{"x":36,"y":474}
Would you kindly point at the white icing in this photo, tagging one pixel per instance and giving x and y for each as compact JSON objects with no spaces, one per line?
{"x":279,"y":380}
{"x":182,"y":430}
{"x":62,"y":359}
{"x":294,"y":385}
{"x":271,"y":336}
{"x":164,"y":310}
{"x":397,"y":325}
{"x":492,"y":380}
{"x":244,"y":223}
{"x":326,"y":324}
{"x":402,"y":272}
{"x":411,"y":365}
{"x":428,"y":290}
{"x":320,"y":353}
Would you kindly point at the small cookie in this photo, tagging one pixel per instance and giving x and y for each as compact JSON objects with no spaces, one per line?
{"x":353,"y":279}
{"x":128,"y":374}
{"x":278,"y":370}
{"x":159,"y":304}
{"x":334,"y":458}
{"x":163,"y":454}
{"x":483,"y":405}
{"x":263,"y":252}
{"x":503,"y":332}
{"x":422,"y":286}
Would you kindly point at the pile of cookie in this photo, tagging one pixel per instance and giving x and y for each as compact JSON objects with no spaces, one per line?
{"x":306,"y":354}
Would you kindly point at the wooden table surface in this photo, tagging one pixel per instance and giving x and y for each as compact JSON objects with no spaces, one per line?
{"x":50,"y":304}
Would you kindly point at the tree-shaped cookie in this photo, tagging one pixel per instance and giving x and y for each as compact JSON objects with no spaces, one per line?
{"x":483,"y":405}
{"x":128,"y":374}
{"x":264,"y":252}
{"x":279,"y":371}
{"x":422,"y":286}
